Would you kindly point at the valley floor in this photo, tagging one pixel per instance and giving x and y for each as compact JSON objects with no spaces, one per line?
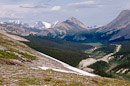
{"x":106,"y":58}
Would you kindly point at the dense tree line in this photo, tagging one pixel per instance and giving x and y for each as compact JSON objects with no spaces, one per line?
{"x":67,"y":52}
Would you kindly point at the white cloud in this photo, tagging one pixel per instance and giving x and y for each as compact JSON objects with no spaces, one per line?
{"x":23,"y":10}
{"x":20,"y":10}
{"x":9,"y":11}
{"x":32,"y":6}
{"x":86,"y":4}
{"x":56,"y":8}
{"x":82,"y":3}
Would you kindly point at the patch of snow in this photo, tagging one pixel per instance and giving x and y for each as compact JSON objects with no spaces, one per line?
{"x":78,"y":71}
{"x":59,"y":70}
{"x":42,"y":25}
{"x":34,"y":68}
{"x":47,"y":25}
{"x":55,"y":23}
{"x":2,"y":22}
{"x":15,"y":21}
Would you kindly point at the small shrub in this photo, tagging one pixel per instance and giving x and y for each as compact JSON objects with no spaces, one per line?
{"x":32,"y":81}
{"x":48,"y":79}
{"x":28,"y":56}
{"x":7,"y":55}
{"x":29,"y":81}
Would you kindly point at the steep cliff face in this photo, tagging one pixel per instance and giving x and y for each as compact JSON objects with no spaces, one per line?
{"x":119,"y":27}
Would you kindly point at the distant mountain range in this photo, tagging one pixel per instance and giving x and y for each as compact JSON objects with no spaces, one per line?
{"x":44,"y":25}
{"x":56,"y":29}
{"x":72,"y":29}
{"x":69,"y":27}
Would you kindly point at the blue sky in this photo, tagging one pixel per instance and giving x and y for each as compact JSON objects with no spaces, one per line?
{"x":90,"y":12}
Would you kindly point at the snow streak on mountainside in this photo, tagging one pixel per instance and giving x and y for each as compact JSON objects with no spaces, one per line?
{"x":15,"y":21}
{"x":55,"y":23}
{"x":42,"y":25}
{"x":73,"y":69}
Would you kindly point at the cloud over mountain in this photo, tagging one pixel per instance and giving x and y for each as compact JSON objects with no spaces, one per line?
{"x":56,"y":8}
{"x":86,"y":4}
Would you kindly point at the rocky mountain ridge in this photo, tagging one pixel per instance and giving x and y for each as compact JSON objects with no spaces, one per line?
{"x":119,"y":27}
{"x":56,"y":29}
{"x":69,"y":27}
{"x":72,"y":29}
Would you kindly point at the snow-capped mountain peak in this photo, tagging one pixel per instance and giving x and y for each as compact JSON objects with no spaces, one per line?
{"x":42,"y":24}
{"x":2,"y":22}
{"x":15,"y":21}
{"x":47,"y":25}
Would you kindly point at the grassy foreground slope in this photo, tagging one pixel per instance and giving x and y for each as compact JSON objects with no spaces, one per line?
{"x":22,"y":76}
{"x":13,"y":52}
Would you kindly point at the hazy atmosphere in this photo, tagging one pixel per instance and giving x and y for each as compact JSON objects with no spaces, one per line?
{"x":64,"y":42}
{"x":90,"y":12}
